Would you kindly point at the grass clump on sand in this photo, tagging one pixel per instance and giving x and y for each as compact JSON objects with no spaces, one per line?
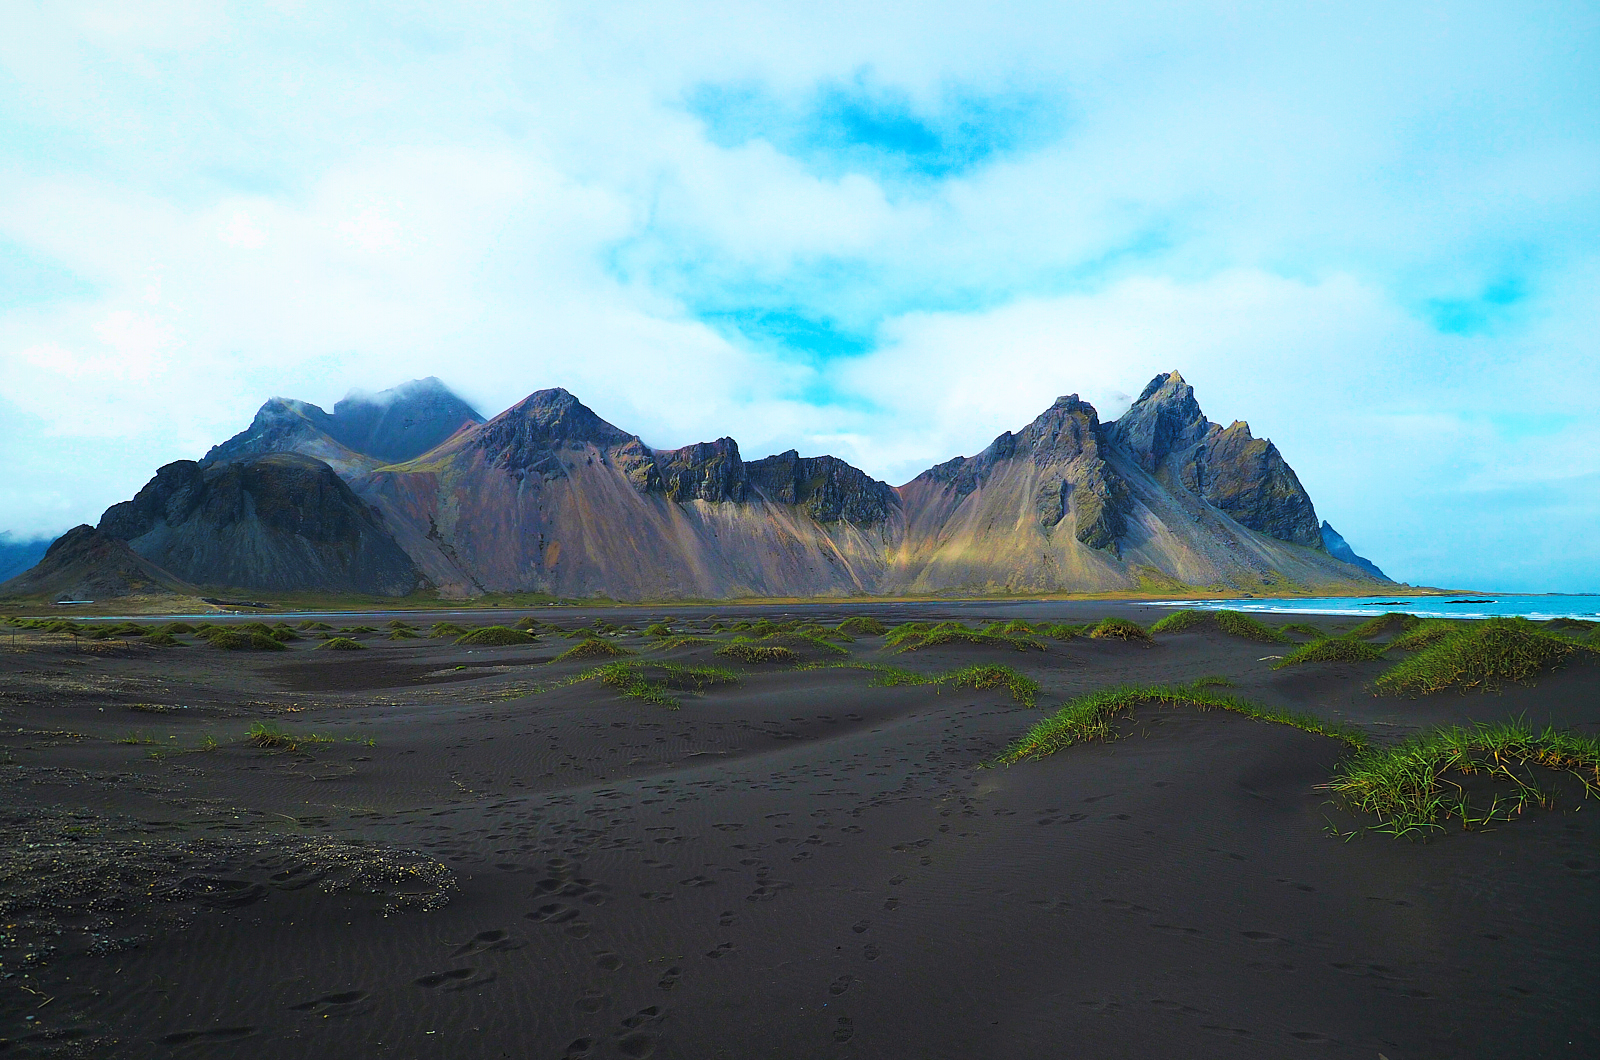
{"x":1304,"y":629}
{"x":633,"y":680}
{"x":312,"y":627}
{"x":862,"y":626}
{"x":672,"y":643}
{"x":1425,"y":634}
{"x":403,"y":634}
{"x":750,"y":652}
{"x":164,"y":640}
{"x":342,"y":644}
{"x":1406,"y":785}
{"x":401,"y":624}
{"x":239,"y":640}
{"x":1089,"y":717}
{"x":1023,"y":688}
{"x":1388,"y":622}
{"x":446,"y":629}
{"x":1332,"y":649}
{"x":806,"y":640}
{"x":1482,"y":657}
{"x":1119,"y":629}
{"x":914,"y":636}
{"x":592,"y":648}
{"x":496,"y":637}
{"x":1232,"y":623}
{"x":658,"y":629}
{"x":266,"y":735}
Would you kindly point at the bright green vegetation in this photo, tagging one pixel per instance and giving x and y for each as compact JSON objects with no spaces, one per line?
{"x":1425,"y":634}
{"x":174,"y":628}
{"x":1406,"y":784}
{"x":747,"y":651}
{"x":1388,"y":622}
{"x":342,"y":644}
{"x":445,"y":629}
{"x":672,"y":643}
{"x":1023,"y":688}
{"x":1482,"y":655}
{"x":914,"y":636}
{"x":312,"y":627}
{"x":496,"y":637}
{"x":658,"y":629}
{"x":399,"y":624}
{"x":1119,"y":629}
{"x":634,"y":680}
{"x":862,"y":626}
{"x":1089,"y":717}
{"x":592,"y":648}
{"x":239,"y":639}
{"x":801,"y":640}
{"x":164,"y":640}
{"x":269,"y":736}
{"x":1332,"y":649}
{"x":1304,"y":629}
{"x":1232,"y":623}
{"x":403,"y":634}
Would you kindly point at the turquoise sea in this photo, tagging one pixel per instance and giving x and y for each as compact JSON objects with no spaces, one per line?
{"x":1526,"y":605}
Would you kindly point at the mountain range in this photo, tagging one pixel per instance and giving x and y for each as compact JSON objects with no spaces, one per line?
{"x":412,"y":490}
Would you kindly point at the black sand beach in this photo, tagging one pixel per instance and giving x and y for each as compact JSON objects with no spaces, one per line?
{"x":800,"y":865}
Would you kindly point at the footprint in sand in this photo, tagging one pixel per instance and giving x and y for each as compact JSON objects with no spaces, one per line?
{"x":342,"y":1004}
{"x":722,"y":950}
{"x":553,"y":913}
{"x":486,"y":941}
{"x":870,"y":951}
{"x":218,"y":1034}
{"x":844,"y":1029}
{"x":860,"y":926}
{"x":455,"y":979}
{"x":670,"y":979}
{"x":840,"y":985}
{"x":592,"y":1003}
{"x":607,"y":961}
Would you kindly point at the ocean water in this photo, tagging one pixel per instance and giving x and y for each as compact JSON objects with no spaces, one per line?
{"x":1534,"y":606}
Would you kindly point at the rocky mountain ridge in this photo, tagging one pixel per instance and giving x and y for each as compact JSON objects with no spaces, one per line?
{"x":549,"y":497}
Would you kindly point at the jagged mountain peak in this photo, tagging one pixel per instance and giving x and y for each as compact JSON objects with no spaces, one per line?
{"x":545,"y":420}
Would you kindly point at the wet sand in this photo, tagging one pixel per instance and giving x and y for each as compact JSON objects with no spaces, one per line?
{"x":801,"y":865}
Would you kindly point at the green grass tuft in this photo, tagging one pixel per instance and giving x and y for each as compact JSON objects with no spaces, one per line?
{"x":1406,"y":786}
{"x":749,"y":652}
{"x":1304,"y":629}
{"x":164,"y":640}
{"x":1089,"y":717}
{"x":806,"y":640}
{"x":658,"y":629}
{"x":914,"y":636}
{"x":1332,"y":649}
{"x":342,"y":644}
{"x":446,"y":629}
{"x":1388,"y":622}
{"x":403,"y":634}
{"x":862,"y":626}
{"x":1119,"y":629}
{"x":1425,"y":634}
{"x":673,"y":643}
{"x":1482,"y":656}
{"x":1233,"y":623}
{"x":592,"y":648}
{"x":496,"y":637}
{"x":1023,"y":688}
{"x":269,"y":736}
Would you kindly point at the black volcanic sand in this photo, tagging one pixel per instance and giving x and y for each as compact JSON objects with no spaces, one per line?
{"x":801,"y":865}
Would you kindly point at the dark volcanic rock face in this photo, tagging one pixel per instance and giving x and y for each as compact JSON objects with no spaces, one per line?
{"x":362,"y":431}
{"x":86,"y":564}
{"x":1066,"y":446}
{"x":277,"y":522}
{"x":705,"y":471}
{"x":829,"y":489}
{"x":1340,"y":549}
{"x":529,"y":438}
{"x":398,"y":424}
{"x":1166,"y":434}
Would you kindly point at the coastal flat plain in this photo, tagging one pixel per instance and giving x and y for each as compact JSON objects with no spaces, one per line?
{"x":801,"y":864}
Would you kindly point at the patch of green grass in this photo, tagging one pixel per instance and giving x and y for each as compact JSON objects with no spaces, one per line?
{"x":164,"y":640}
{"x":658,"y":629}
{"x":862,"y":626}
{"x":135,"y":738}
{"x":1233,"y":623}
{"x":403,"y":634}
{"x":1482,"y":656}
{"x":592,"y":648}
{"x":1119,"y":629}
{"x":1065,"y":630}
{"x":1304,"y":629}
{"x":1089,"y":717}
{"x":750,"y":652}
{"x":342,"y":644}
{"x":1388,"y":622}
{"x":1425,"y":634}
{"x":496,"y":637}
{"x":1332,"y":649}
{"x":312,"y":626}
{"x":1211,"y":681}
{"x":634,"y":680}
{"x":806,"y":640}
{"x":239,"y":640}
{"x":673,"y":643}
{"x":266,"y":735}
{"x":1406,"y":785}
{"x":445,"y":629}
{"x":400,"y":624}
{"x":1023,"y":688}
{"x":914,"y":636}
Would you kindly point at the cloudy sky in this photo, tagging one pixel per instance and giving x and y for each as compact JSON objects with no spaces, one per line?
{"x":884,"y":231}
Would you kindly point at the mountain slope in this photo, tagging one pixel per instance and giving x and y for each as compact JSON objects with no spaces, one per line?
{"x":363,"y":431}
{"x":549,"y":497}
{"x":282,"y":522}
{"x":1340,"y":549}
{"x":85,"y":564}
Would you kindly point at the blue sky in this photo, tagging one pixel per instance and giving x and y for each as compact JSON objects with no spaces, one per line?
{"x":1373,"y":231}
